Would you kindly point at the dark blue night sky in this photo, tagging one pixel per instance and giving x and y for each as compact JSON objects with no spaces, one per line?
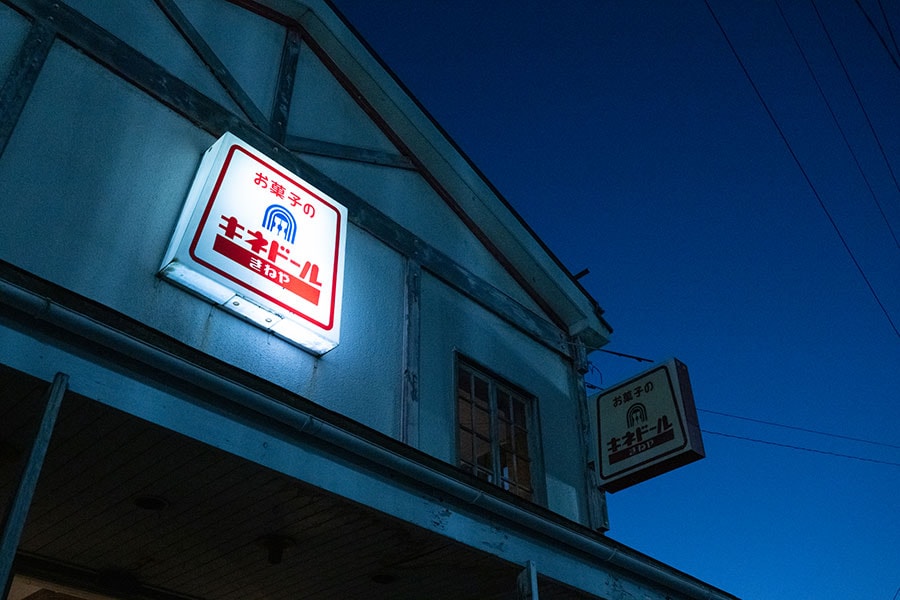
{"x":630,"y":139}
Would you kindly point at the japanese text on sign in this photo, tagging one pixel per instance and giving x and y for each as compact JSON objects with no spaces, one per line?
{"x":301,"y":279}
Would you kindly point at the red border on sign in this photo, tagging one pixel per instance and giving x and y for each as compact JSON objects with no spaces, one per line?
{"x":230,"y":277}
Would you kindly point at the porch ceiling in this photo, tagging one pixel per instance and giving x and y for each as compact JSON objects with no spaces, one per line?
{"x":127,"y":509}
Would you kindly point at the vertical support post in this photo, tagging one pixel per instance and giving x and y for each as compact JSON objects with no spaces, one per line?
{"x":526,"y":583}
{"x":598,"y":517}
{"x":409,"y":409}
{"x":14,"y":519}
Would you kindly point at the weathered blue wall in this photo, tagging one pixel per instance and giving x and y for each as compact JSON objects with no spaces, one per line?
{"x":93,"y":180}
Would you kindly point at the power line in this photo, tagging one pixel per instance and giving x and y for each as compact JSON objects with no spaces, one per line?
{"x":862,"y":107}
{"x":802,"y":448}
{"x":805,"y":430}
{"x":887,"y":23}
{"x":878,"y":33}
{"x":834,"y":118}
{"x":799,"y":164}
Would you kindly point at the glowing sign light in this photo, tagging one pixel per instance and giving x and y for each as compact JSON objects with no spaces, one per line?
{"x":262,"y":243}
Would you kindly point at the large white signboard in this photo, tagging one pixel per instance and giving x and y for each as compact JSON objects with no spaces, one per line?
{"x":262,"y":243}
{"x":646,"y":426}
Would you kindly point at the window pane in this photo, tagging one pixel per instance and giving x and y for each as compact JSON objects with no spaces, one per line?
{"x":521,"y":442}
{"x":481,"y":423}
{"x":483,"y":455}
{"x":464,"y":414}
{"x":503,"y":406}
{"x":492,"y":431}
{"x":507,"y":467}
{"x":523,"y":472}
{"x":463,"y":381}
{"x":482,"y":389}
{"x":466,"y":455}
{"x":522,"y":492}
{"x":504,"y":433}
{"x":520,"y":413}
{"x":485,"y":474}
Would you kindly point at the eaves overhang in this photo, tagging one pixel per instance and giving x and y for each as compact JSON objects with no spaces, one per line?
{"x":244,"y":415}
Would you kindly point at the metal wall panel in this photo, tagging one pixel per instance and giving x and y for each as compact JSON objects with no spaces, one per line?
{"x":362,"y":377}
{"x":99,"y":170}
{"x":323,"y":110}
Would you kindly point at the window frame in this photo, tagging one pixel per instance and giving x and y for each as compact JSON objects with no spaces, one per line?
{"x":498,"y":384}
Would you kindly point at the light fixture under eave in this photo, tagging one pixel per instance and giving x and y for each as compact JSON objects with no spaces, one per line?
{"x":151,"y":503}
{"x":275,"y":545}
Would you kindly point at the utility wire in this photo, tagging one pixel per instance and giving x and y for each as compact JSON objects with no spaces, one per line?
{"x":773,"y":424}
{"x":802,"y":169}
{"x":887,"y":23}
{"x":878,"y":33}
{"x":834,"y":118}
{"x":803,"y":448}
{"x":862,"y":108}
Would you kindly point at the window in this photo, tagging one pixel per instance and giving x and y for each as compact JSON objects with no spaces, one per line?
{"x":493,"y":424}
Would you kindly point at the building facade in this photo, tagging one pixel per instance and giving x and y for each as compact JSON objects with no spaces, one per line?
{"x":159,"y":444}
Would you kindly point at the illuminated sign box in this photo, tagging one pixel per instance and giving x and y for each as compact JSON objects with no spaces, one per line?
{"x":262,"y":243}
{"x":647,"y":426}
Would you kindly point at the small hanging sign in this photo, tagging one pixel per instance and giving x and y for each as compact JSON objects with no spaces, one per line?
{"x":647,"y":426}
